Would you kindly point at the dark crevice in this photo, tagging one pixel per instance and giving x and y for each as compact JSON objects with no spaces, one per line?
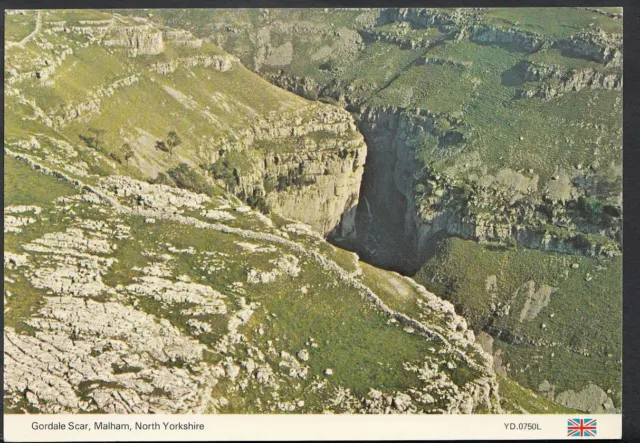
{"x":381,"y":237}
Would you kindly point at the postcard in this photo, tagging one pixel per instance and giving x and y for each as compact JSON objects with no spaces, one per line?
{"x":313,"y":224}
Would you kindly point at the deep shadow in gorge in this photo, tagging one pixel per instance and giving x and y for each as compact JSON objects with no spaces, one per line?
{"x":381,"y":236}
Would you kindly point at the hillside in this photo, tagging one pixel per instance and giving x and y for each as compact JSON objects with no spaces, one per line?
{"x":167,"y":212}
{"x":500,"y":127}
{"x":120,"y":85}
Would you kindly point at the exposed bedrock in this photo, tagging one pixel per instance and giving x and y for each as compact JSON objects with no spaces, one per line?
{"x":403,"y":205}
{"x":313,"y":175}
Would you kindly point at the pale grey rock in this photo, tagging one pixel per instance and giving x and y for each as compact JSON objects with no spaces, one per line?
{"x":55,"y":362}
{"x":13,"y":260}
{"x":140,"y":40}
{"x":303,"y":355}
{"x":207,"y":301}
{"x":221,"y":63}
{"x":402,"y":402}
{"x":590,"y":399}
{"x":13,"y":223}
{"x":218,"y":215}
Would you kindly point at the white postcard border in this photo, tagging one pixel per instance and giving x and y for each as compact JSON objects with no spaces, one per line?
{"x":265,"y":427}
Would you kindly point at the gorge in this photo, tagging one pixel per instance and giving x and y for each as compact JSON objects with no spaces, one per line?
{"x":313,"y":210}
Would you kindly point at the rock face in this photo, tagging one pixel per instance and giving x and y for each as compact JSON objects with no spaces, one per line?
{"x":390,"y":208}
{"x":556,"y":81}
{"x":422,"y":16}
{"x":182,"y":37}
{"x":219,"y":63}
{"x":525,"y":41}
{"x":315,"y":179}
{"x":591,"y":399}
{"x":329,"y":192}
{"x":596,"y":45}
{"x":59,"y":371}
{"x":140,"y":40}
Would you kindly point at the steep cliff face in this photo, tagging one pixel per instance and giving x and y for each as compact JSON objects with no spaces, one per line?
{"x":555,"y":82}
{"x":329,"y":193}
{"x":525,"y":41}
{"x":140,"y":40}
{"x":306,"y":166}
{"x":450,"y":154}
{"x":404,"y":205}
{"x":221,"y":63}
{"x":596,"y":45}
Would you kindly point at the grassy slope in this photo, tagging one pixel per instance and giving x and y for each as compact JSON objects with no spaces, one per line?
{"x":553,"y":134}
{"x":359,"y":343}
{"x":18,"y":26}
{"x":559,"y":23}
{"x":234,"y":100}
{"x":459,"y":271}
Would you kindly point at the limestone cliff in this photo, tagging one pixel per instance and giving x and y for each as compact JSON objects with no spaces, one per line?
{"x":556,"y":81}
{"x":399,"y":193}
{"x":596,"y":45}
{"x":308,"y":167}
{"x":526,"y":41}
{"x":140,"y":40}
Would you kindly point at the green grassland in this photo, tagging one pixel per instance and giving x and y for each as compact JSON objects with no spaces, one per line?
{"x":573,"y":319}
{"x":23,"y":187}
{"x":18,"y":26}
{"x":557,"y":23}
{"x":74,"y":16}
{"x":553,"y":134}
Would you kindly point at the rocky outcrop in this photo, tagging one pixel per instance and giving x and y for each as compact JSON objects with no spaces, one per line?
{"x":140,"y":40}
{"x":404,"y":41}
{"x":446,"y":62}
{"x":86,"y":109}
{"x":45,"y":67}
{"x":219,"y":63}
{"x":327,"y":193}
{"x":103,"y":357}
{"x":182,"y":38}
{"x":15,"y":223}
{"x":300,"y":85}
{"x":422,"y":16}
{"x":313,"y":177}
{"x":596,"y":45}
{"x":522,"y":40}
{"x":590,"y":399}
{"x":600,"y":11}
{"x":556,"y":81}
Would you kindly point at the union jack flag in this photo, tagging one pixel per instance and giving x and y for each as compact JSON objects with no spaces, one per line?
{"x":582,"y":427}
